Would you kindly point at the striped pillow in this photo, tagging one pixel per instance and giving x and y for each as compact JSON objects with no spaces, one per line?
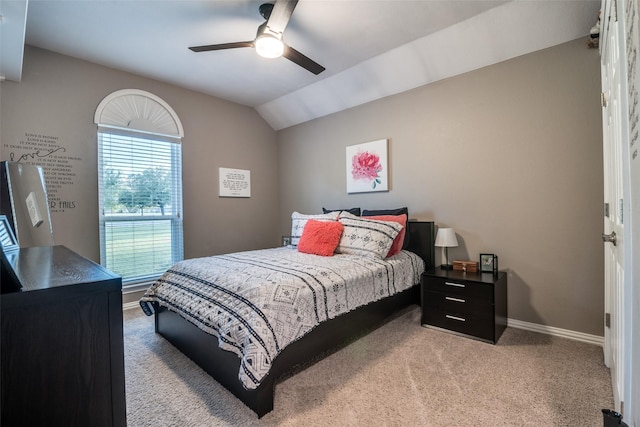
{"x":299,"y":220}
{"x":366,"y":237}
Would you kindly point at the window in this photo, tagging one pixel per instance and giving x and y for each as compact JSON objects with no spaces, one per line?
{"x":140,"y":190}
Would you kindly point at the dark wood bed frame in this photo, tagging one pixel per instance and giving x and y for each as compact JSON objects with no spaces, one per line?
{"x":224,"y":366}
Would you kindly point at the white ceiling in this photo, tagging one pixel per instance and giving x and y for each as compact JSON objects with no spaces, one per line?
{"x":370,"y":48}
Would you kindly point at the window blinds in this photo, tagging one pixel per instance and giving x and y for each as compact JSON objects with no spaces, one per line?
{"x":140,"y":195}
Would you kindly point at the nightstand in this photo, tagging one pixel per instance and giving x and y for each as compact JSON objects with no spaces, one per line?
{"x":469,"y":304}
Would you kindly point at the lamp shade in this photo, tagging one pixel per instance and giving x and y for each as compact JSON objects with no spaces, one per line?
{"x":446,"y":238}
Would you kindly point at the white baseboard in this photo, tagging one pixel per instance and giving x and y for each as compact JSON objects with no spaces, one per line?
{"x":558,"y":332}
{"x":131,"y":305}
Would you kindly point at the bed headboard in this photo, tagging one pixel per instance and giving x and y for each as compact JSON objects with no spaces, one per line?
{"x":421,"y":241}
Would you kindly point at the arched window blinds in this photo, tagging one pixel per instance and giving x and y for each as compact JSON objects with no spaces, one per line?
{"x":138,"y":111}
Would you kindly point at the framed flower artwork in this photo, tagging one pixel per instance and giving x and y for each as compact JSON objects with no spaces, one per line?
{"x":367,"y":169}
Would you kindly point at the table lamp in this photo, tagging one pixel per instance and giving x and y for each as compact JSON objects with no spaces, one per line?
{"x":446,"y":238}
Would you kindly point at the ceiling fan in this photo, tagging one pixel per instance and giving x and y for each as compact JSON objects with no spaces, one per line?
{"x":268,"y":41}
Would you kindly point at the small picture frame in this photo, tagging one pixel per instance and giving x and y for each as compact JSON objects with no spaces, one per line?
{"x":286,"y":241}
{"x":489,"y":263}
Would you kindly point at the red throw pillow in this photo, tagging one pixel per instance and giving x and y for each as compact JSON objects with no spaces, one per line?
{"x":320,"y":237}
{"x":396,"y":246}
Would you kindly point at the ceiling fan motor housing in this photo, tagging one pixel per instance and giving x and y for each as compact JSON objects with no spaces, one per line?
{"x":265,"y":10}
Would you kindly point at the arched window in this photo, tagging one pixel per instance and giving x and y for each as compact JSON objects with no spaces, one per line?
{"x":139,"y":185}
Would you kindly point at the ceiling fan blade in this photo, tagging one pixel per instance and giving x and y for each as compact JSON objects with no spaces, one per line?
{"x":305,"y":62}
{"x":280,"y":16}
{"x":221,"y":46}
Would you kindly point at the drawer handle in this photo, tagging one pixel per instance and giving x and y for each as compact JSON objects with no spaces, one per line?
{"x":459,"y":319}
{"x":457,"y":285}
{"x":454,"y":299}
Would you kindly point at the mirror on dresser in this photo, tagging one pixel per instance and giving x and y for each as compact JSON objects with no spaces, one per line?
{"x":23,"y":199}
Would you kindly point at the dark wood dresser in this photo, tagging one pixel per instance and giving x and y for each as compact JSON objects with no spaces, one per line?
{"x":61,"y":343}
{"x":471,"y":304}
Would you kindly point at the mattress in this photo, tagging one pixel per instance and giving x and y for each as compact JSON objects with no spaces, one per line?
{"x":258,"y":302}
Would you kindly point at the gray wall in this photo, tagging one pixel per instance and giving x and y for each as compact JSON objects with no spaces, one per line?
{"x":510,"y":156}
{"x":58,"y":97}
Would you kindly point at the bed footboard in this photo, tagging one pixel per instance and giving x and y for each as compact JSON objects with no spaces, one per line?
{"x":222,"y":365}
{"x":327,"y":337}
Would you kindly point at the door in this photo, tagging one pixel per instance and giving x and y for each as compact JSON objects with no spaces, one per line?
{"x":613,"y":136}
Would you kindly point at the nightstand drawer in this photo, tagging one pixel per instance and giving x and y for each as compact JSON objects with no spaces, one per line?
{"x":463,"y":288}
{"x":456,"y":303}
{"x":479,"y":325}
{"x":474,"y":304}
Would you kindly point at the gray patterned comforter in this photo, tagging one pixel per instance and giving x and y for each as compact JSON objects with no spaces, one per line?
{"x":258,"y":302}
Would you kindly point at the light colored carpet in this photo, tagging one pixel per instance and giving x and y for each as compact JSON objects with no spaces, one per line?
{"x":399,"y":375}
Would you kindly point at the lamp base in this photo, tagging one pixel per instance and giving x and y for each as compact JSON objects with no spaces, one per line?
{"x":446,"y":267}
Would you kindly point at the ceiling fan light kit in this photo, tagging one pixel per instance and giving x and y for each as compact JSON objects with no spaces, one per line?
{"x":269,"y":46}
{"x":268,"y":42}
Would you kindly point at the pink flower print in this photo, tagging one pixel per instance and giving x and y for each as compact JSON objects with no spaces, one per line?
{"x":366,"y":166}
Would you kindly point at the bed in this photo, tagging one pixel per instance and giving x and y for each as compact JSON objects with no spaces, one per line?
{"x":261,"y":339}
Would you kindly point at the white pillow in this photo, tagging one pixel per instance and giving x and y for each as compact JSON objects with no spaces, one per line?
{"x":298,"y":221}
{"x":367,"y":237}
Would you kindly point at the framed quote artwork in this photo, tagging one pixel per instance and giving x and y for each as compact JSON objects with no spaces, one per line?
{"x":367,"y":169}
{"x":234,"y":182}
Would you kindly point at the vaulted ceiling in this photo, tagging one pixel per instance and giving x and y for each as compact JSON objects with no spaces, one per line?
{"x":370,"y":48}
